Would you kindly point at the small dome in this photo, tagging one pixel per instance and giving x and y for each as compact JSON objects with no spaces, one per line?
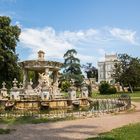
{"x":40,"y":51}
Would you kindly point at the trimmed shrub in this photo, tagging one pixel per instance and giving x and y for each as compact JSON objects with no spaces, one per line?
{"x":112,"y":90}
{"x":106,"y":88}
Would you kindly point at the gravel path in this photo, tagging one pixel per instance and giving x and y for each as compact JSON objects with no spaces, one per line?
{"x":72,"y":130}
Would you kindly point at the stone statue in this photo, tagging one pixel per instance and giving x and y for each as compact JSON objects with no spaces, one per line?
{"x":3,"y":91}
{"x":44,"y":79}
{"x":15,"y":83}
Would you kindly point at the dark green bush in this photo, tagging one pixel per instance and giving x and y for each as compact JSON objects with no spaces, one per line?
{"x":112,"y":90}
{"x":106,"y":88}
{"x":4,"y":131}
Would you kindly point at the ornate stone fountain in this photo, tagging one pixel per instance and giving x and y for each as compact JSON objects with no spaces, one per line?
{"x":45,"y":91}
{"x":42,"y":68}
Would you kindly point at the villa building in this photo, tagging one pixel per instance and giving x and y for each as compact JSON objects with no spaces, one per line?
{"x":105,"y":68}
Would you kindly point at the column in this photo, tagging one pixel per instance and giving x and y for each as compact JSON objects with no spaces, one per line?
{"x":46,"y":77}
{"x":55,"y":78}
{"x":46,"y":71}
{"x":25,"y":74}
{"x":55,"y":84}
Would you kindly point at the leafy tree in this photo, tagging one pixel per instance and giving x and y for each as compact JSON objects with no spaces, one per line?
{"x":127,"y":71}
{"x":9,"y":35}
{"x":72,"y":67}
{"x":90,"y":71}
{"x":132,"y":74}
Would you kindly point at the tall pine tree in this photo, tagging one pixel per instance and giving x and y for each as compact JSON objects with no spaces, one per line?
{"x":72,"y":67}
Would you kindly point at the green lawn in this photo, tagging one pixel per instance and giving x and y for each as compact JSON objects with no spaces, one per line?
{"x":134,"y":96}
{"x":32,"y":120}
{"x":128,"y":132}
{"x":136,"y":99}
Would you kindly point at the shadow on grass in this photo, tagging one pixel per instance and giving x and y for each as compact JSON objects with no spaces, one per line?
{"x":6,"y":131}
{"x":32,"y":120}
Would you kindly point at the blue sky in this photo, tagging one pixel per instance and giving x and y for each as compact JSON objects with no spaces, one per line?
{"x":92,"y":27}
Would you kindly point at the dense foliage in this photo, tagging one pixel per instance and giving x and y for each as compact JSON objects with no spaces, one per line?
{"x":65,"y":86}
{"x":106,"y":88}
{"x":91,"y":71}
{"x":127,"y":71}
{"x":9,"y":35}
{"x":72,"y":68}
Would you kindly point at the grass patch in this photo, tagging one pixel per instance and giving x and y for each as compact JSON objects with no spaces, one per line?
{"x":128,"y":132}
{"x":32,"y":120}
{"x":136,"y":99}
{"x":134,"y":95}
{"x":5,"y":131}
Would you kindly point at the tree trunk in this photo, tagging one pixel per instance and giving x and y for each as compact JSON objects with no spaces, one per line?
{"x":122,"y":87}
{"x":131,"y":89}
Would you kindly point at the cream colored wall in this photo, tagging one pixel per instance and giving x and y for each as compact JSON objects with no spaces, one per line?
{"x":105,"y":68}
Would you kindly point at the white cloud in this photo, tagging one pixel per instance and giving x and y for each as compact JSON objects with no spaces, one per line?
{"x":46,"y":40}
{"x":101,"y":51}
{"x":86,"y":58}
{"x":78,"y":36}
{"x":88,"y":42}
{"x":55,"y":44}
{"x":123,"y":34}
